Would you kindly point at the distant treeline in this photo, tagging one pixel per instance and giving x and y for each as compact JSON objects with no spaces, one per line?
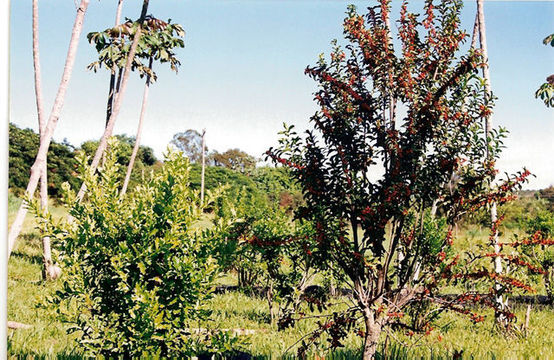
{"x":266,"y":184}
{"x":62,"y":165}
{"x":263,"y":183}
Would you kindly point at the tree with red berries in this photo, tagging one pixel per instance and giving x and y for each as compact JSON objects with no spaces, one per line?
{"x":399,"y":131}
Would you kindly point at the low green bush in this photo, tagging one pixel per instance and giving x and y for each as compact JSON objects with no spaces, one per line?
{"x":137,"y":272}
{"x":541,"y":228}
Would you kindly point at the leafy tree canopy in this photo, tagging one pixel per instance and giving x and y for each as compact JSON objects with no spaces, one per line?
{"x":157,"y":42}
{"x":190,"y":143}
{"x":234,"y":159}
{"x":546,"y":90}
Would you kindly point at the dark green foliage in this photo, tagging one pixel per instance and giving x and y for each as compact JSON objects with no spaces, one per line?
{"x":542,"y":221}
{"x":548,"y":195}
{"x":145,"y":156}
{"x":273,"y":180}
{"x":216,"y":176}
{"x":144,"y":161}
{"x":137,"y":272}
{"x":279,"y":186}
{"x":542,"y":227}
{"x":266,"y":186}
{"x":515,"y":213}
{"x":23,"y":147}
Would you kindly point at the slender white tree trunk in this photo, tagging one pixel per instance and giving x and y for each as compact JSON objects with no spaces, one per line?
{"x":475,"y":33}
{"x":488,"y":125}
{"x":112,"y":91}
{"x":36,"y":65}
{"x":47,"y":270}
{"x":203,"y":166}
{"x":46,"y":138}
{"x":139,"y":133}
{"x":118,"y":99}
{"x":118,"y":12}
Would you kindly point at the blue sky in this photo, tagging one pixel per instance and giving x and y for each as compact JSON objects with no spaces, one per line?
{"x":242,"y":72}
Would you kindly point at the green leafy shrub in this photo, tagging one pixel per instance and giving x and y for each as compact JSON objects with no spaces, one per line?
{"x":547,"y":194}
{"x":235,"y":182}
{"x":144,"y":162}
{"x":237,"y":212}
{"x":263,"y":185}
{"x":279,"y":186}
{"x":269,"y":251}
{"x":515,"y":214}
{"x":541,"y":227}
{"x":137,"y":270}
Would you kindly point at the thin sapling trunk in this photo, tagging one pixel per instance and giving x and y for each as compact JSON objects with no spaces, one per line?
{"x":139,"y":132}
{"x":49,"y":271}
{"x":46,"y":137}
{"x":502,"y":303}
{"x":118,"y":99}
{"x":112,"y":89}
{"x":203,"y":166}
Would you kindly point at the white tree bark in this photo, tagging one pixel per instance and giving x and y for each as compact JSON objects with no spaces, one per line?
{"x":475,"y":32}
{"x":139,"y":133}
{"x":46,"y":250}
{"x":118,"y":100}
{"x":118,"y":12}
{"x":46,"y":138}
{"x":488,"y":128}
{"x":203,"y":166}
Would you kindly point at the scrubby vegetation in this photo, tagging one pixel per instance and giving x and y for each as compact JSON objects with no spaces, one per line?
{"x":239,"y":309}
{"x":375,"y":235}
{"x":259,"y":275}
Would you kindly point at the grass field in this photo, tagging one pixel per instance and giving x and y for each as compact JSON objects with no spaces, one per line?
{"x":48,"y":337}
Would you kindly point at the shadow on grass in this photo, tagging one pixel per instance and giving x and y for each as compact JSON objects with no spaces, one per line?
{"x":29,"y":240}
{"x":35,"y":356}
{"x":33,"y":259}
{"x":394,"y":352}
